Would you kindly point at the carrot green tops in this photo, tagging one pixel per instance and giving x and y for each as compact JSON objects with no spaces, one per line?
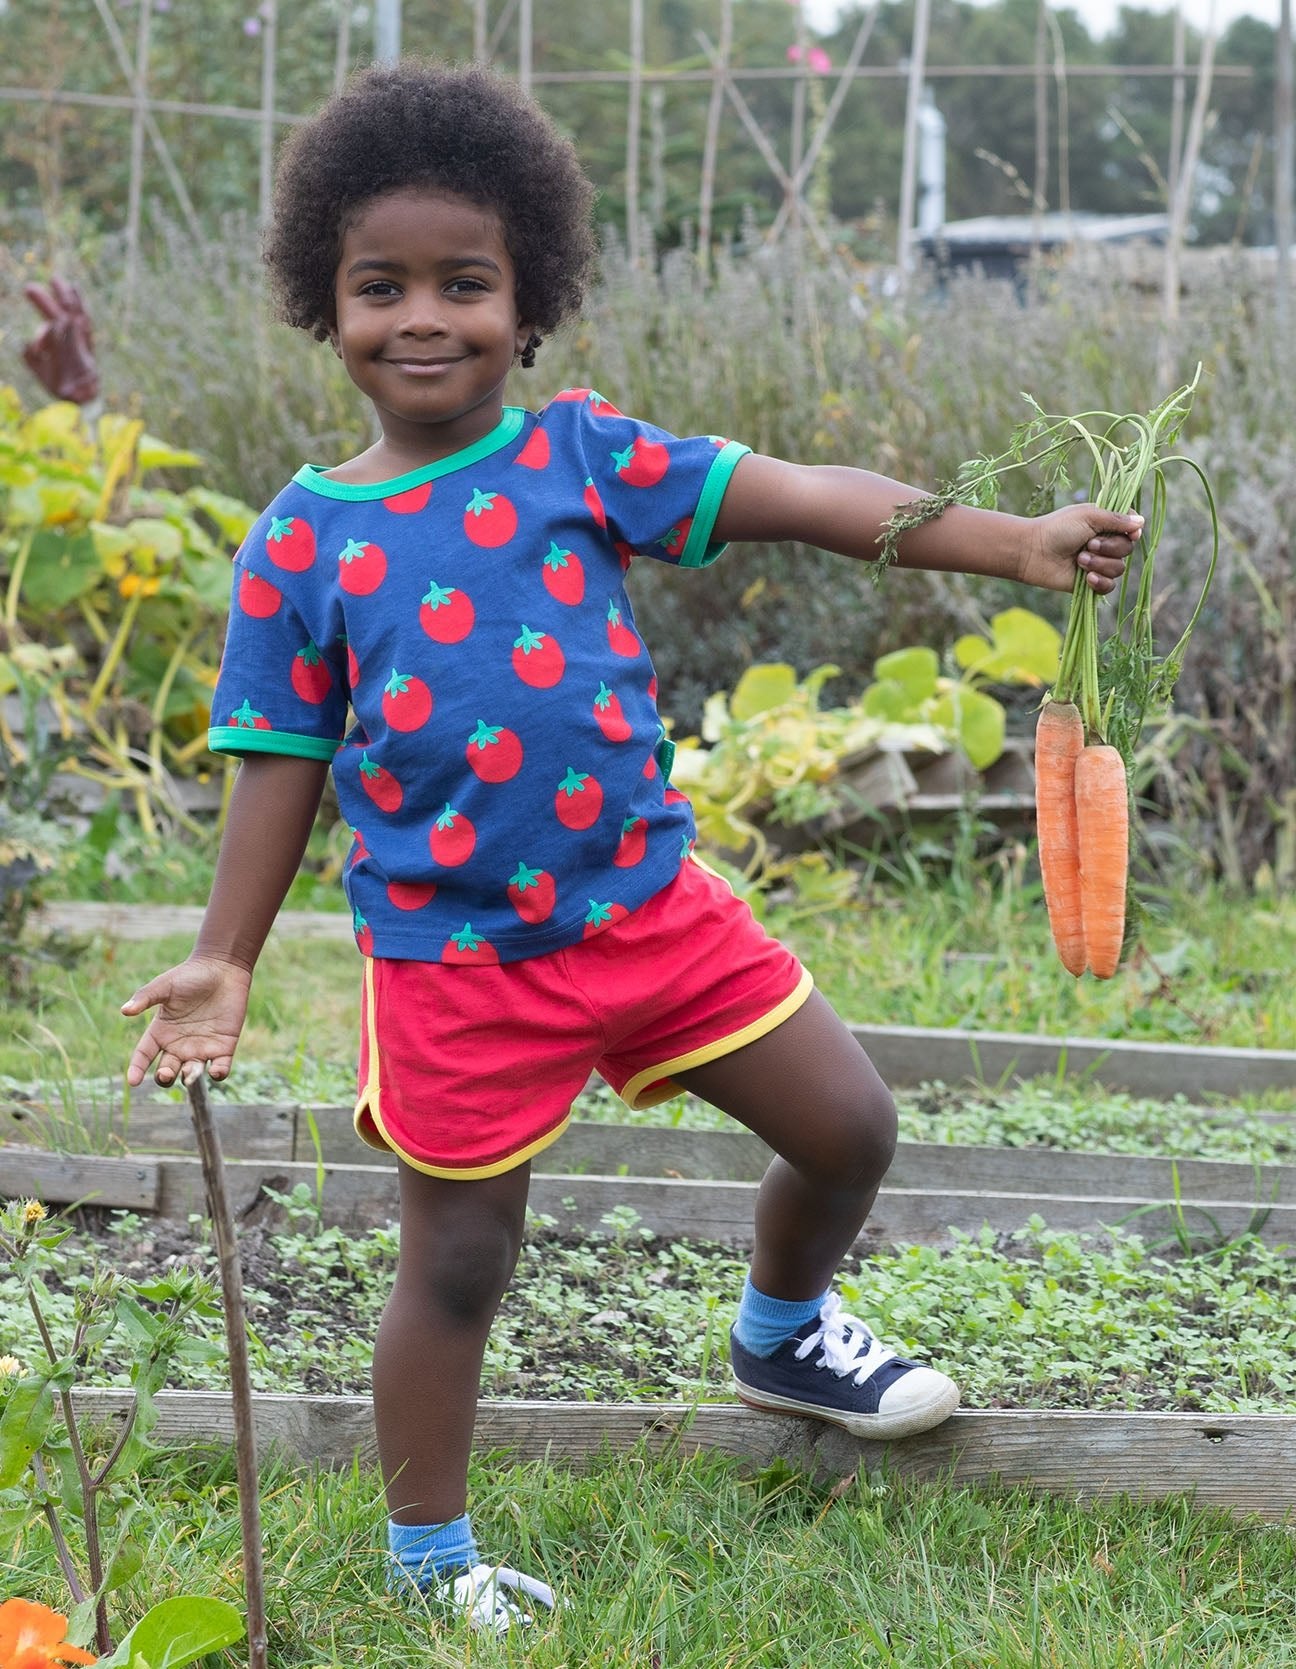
{"x":459,"y":643}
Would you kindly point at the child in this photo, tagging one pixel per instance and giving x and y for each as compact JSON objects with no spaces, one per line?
{"x":523,"y":892}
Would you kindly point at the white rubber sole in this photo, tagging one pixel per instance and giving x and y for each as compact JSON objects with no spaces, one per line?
{"x":906,"y":1422}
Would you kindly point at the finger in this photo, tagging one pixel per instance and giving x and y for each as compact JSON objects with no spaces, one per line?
{"x":1109,"y":565}
{"x":148,"y":996}
{"x":142,"y":1057}
{"x":41,"y":299}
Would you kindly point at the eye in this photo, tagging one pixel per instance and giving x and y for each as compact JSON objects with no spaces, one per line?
{"x":379,"y":287}
{"x":466,"y":286}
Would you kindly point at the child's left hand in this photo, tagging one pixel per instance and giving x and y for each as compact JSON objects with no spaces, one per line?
{"x":1081,"y":535}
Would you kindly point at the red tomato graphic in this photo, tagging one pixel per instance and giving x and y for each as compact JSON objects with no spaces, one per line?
{"x":247,"y":718}
{"x":535,"y":454}
{"x":538,"y":659}
{"x":564,"y":576}
{"x":406,"y":702}
{"x":257,"y":597}
{"x":361,"y":567}
{"x":621,"y":640}
{"x":593,"y":503}
{"x":353,"y":668}
{"x":611,"y":720}
{"x":466,"y":946}
{"x":600,"y":916}
{"x":363,"y":933}
{"x":494,"y":752}
{"x":411,"y":501}
{"x":410,"y":895}
{"x":311,"y":677}
{"x":489,"y":519}
{"x":446,"y":613}
{"x":633,"y":843}
{"x":359,"y":850}
{"x":579,"y":800}
{"x":452,"y":838}
{"x":290,"y":543}
{"x":380,"y":785}
{"x":531,"y":893}
{"x":627,"y":553}
{"x":652,"y":687}
{"x":643,"y":463}
{"x":597,"y":404}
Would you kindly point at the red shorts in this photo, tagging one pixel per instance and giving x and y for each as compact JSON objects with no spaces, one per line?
{"x":467,"y":1072}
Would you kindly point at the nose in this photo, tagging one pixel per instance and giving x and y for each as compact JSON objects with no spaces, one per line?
{"x":424,"y":313}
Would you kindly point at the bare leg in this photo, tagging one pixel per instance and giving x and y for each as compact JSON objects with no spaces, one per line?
{"x":809,"y":1091}
{"x":459,"y":1245}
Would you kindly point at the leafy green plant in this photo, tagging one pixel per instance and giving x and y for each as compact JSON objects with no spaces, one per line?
{"x":130,"y":573}
{"x":80,"y":1481}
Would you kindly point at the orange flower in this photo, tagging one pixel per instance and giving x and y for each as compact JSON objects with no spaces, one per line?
{"x":31,"y":1637}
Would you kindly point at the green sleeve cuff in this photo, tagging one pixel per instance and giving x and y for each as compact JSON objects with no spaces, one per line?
{"x":230,"y":738}
{"x":699,"y":551}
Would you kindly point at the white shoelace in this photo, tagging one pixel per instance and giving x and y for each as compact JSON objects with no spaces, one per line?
{"x":849,"y":1346}
{"x":482,"y":1593}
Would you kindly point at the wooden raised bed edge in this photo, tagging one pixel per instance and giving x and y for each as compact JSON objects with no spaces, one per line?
{"x":1082,"y":1194}
{"x":1245,"y":1462}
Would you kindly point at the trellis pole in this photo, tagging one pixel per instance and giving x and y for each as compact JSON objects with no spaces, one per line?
{"x":1285,"y":136}
{"x":135,"y":189}
{"x":711,"y":143}
{"x":792,"y":198}
{"x":1040,"y":192}
{"x":481,"y":23}
{"x":269,"y":52}
{"x":1181,"y":201}
{"x":342,"y":56}
{"x":634,"y":119}
{"x":526,"y":44}
{"x":909,"y":159}
{"x":1177,"y":99}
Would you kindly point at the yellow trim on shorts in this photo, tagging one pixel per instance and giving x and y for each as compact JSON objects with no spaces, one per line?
{"x":654,"y":1085}
{"x":369,"y":1101}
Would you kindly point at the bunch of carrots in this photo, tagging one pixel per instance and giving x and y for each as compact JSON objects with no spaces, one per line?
{"x":1108,"y":681}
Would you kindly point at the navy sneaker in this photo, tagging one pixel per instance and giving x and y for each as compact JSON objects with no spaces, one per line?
{"x":834,"y":1369}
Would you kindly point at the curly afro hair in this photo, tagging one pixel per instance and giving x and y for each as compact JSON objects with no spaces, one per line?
{"x":432,"y":126}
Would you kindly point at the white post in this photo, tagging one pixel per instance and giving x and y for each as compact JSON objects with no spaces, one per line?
{"x":135,"y":191}
{"x":342,"y":54}
{"x":909,"y":160}
{"x":387,"y":31}
{"x":481,"y":24}
{"x":634,"y":115}
{"x":711,"y":144}
{"x":1285,"y":134}
{"x":269,"y":48}
{"x":526,"y":44}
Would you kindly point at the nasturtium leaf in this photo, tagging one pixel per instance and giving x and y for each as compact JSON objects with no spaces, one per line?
{"x":1023,"y":649}
{"x":230,"y":515}
{"x":976,"y":719}
{"x":155,"y":541}
{"x":153,"y":453}
{"x":762,"y":687}
{"x":112,"y":546}
{"x":915,"y":670}
{"x":61,"y":568}
{"x":177,"y":1631}
{"x":887,"y":699}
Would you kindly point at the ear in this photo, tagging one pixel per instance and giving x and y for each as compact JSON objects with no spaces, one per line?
{"x":334,"y":341}
{"x":522,"y":336}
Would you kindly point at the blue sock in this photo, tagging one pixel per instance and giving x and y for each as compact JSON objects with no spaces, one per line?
{"x":427,"y":1552}
{"x":763,"y":1323}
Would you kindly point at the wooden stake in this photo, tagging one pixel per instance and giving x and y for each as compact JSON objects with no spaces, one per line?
{"x":634,"y":116}
{"x":269,"y":52}
{"x":711,"y":144}
{"x":231,"y":1281}
{"x":135,"y":191}
{"x":1180,"y":202}
{"x":909,"y":160}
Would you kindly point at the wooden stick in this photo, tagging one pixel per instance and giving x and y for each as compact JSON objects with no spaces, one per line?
{"x":231,"y":1280}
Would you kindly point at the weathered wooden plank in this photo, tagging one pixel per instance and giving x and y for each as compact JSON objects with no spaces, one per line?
{"x":246,"y":1131}
{"x":355,"y":1196}
{"x":59,"y":1178}
{"x":163,"y":921}
{"x":1245,"y":1462}
{"x":907,"y":1055}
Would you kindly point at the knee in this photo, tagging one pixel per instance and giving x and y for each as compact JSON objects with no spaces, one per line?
{"x":855,"y":1139}
{"x":460,"y":1272}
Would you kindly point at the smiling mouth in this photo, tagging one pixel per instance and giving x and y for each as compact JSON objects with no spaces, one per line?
{"x":425,"y":365}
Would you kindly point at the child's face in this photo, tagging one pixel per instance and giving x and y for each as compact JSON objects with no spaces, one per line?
{"x":427,"y":320}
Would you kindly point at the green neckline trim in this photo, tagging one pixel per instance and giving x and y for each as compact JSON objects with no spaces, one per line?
{"x":311,"y":476}
{"x":699,"y":552}
{"x":232,"y":738}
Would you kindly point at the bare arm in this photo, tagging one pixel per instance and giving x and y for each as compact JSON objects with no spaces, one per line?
{"x":845,"y":510}
{"x":202,"y":1002}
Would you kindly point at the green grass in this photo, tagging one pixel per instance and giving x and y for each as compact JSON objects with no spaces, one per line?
{"x":1216,"y":972}
{"x":688,"y":1562}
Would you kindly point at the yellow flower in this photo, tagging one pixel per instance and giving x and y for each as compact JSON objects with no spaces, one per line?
{"x":10,"y":1367}
{"x":34,"y":1212}
{"x":32,"y":1637}
{"x":129,"y":584}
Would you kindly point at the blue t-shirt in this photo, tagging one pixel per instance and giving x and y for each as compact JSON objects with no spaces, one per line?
{"x":459,"y":643}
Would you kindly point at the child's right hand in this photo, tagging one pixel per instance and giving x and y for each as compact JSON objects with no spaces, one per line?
{"x":201,"y":1005}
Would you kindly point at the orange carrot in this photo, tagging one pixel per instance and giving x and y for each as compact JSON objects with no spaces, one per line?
{"x":1059,"y":738}
{"x":1102,"y":826}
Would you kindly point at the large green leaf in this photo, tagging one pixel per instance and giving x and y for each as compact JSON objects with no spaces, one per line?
{"x":763,"y":687}
{"x":28,"y":1414}
{"x":915,"y":670}
{"x":976,"y":719}
{"x":1023,"y":650}
{"x":61,"y":568}
{"x":177,"y":1631}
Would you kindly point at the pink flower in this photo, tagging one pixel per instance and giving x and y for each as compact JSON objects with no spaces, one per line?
{"x":818,"y":60}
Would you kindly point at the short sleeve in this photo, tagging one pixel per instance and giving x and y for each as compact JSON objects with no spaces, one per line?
{"x":278,"y":691}
{"x":660,"y":493}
